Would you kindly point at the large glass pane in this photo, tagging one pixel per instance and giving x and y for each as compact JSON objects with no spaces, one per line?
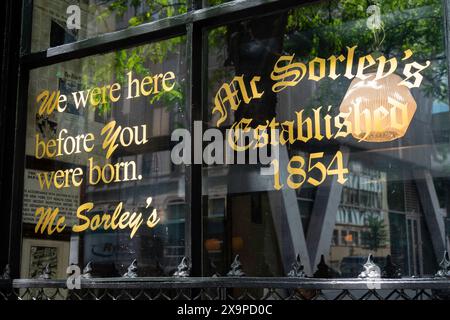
{"x":98,"y":158}
{"x":358,"y":93}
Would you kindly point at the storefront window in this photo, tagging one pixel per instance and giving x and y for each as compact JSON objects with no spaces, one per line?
{"x":320,"y":130}
{"x":98,"y":157}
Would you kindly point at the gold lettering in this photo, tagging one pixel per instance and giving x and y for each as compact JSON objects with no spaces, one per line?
{"x":362,"y":66}
{"x":118,"y":220}
{"x":312,"y":72}
{"x":47,"y":220}
{"x":286,"y":73}
{"x":333,"y":75}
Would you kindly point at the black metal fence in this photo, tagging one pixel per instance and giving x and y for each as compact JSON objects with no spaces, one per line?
{"x":227,"y":288}
{"x":373,"y":283}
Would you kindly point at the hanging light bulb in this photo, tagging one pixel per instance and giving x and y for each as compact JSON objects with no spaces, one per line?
{"x":381,"y":110}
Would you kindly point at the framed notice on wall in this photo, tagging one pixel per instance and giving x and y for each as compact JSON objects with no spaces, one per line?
{"x":66,"y":200}
{"x":37,"y":254}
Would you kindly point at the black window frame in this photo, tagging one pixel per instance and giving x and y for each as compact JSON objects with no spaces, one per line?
{"x":17,"y":62}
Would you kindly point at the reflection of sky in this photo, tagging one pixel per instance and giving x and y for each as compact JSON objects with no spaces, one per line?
{"x":439,"y":107}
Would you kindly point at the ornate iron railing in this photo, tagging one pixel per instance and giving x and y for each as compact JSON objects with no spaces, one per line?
{"x":374,"y":283}
{"x":227,"y":288}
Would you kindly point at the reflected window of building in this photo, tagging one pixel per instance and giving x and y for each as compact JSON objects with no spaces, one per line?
{"x":58,"y":22}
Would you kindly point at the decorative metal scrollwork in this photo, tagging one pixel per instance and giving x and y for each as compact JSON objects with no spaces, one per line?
{"x":444,"y":271}
{"x":183,"y":269}
{"x":323,"y":270}
{"x":371,"y":270}
{"x":236,"y":268}
{"x":132,"y":270}
{"x":87,"y":271}
{"x":297,"y":269}
{"x":46,"y":272}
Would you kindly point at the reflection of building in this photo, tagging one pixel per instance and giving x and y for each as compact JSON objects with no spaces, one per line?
{"x":50,"y":19}
{"x":362,"y":224}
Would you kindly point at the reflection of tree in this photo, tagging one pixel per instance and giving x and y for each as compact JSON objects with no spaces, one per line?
{"x":376,"y":235}
{"x":322,"y":29}
{"x":114,"y":66}
{"x":326,"y":29}
{"x":253,"y":48}
{"x":145,"y":10}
